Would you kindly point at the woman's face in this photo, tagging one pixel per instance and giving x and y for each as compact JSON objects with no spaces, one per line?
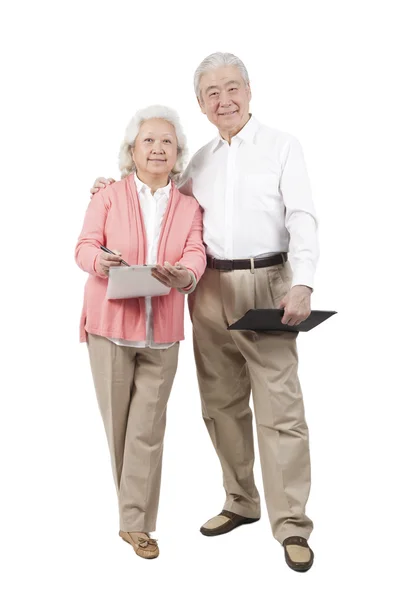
{"x":156,"y":148}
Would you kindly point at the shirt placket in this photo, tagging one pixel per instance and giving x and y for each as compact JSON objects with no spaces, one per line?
{"x":229,"y":198}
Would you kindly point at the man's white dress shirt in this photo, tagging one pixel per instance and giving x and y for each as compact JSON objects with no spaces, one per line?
{"x":256,"y":198}
{"x":153,"y":209}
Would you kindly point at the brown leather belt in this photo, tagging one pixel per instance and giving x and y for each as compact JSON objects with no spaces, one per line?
{"x":246,"y":263}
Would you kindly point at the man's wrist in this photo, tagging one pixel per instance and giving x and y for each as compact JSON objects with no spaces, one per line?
{"x":305,"y":287}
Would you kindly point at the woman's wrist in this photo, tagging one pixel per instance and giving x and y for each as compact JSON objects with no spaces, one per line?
{"x":191,"y":286}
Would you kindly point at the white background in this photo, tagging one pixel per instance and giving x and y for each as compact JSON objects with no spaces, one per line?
{"x":73,"y":74}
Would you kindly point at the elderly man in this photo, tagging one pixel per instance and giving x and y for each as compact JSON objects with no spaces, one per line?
{"x":252,"y":184}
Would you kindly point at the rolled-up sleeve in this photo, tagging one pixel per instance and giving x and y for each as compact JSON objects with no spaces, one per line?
{"x":300,"y":217}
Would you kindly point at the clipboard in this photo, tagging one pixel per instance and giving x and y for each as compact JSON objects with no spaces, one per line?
{"x":269,"y":319}
{"x":135,"y":281}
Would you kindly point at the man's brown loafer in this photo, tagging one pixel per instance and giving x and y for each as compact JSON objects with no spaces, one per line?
{"x":225,"y":522}
{"x":142,"y":544}
{"x":298,"y":554}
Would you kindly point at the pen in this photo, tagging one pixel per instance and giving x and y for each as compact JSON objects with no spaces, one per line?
{"x":111,"y":252}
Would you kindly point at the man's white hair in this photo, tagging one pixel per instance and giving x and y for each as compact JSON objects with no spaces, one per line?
{"x":126,"y":162}
{"x":214,"y":61}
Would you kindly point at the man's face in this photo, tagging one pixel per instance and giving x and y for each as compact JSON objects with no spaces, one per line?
{"x":225,"y":98}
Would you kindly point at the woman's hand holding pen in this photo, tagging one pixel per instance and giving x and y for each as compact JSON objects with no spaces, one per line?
{"x":107,"y":260}
{"x":175,"y":277}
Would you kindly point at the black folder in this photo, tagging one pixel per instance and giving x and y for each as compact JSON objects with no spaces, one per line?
{"x":269,"y":319}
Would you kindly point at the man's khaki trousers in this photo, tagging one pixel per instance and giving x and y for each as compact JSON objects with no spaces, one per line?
{"x":132,"y":387}
{"x":230,"y":365}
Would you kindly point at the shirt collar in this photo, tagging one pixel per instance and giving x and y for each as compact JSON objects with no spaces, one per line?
{"x":247,"y":134}
{"x":140,"y":186}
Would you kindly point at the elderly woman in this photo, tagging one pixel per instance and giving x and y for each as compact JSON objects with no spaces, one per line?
{"x":133,"y":343}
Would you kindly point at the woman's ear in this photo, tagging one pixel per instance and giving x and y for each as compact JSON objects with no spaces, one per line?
{"x":132,"y":151}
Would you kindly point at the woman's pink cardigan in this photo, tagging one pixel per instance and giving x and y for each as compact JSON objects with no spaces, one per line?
{"x":114,"y":219}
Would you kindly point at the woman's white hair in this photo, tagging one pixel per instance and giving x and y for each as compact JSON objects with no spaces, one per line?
{"x":214,"y":61}
{"x":126,"y":162}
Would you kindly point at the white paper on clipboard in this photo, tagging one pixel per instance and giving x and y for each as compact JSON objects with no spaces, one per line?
{"x":134,"y":282}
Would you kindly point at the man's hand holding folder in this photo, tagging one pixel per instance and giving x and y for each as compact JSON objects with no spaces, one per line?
{"x":297,"y":305}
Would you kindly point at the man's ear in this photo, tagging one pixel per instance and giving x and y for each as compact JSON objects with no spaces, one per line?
{"x":249,"y":91}
{"x":201,"y":104}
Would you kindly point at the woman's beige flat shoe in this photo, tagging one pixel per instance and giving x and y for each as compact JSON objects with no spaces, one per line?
{"x":143,"y":545}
